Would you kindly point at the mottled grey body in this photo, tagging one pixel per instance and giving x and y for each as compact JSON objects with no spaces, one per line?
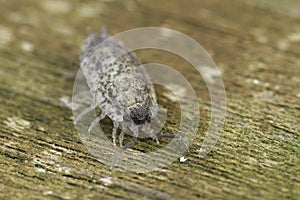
{"x":119,"y":87}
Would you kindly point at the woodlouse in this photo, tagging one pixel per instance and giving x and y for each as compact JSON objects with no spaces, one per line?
{"x":120,"y":89}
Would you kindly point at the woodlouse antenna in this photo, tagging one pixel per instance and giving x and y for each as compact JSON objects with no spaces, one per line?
{"x":172,"y":136}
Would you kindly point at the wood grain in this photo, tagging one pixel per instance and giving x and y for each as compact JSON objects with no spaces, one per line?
{"x":255,"y":47}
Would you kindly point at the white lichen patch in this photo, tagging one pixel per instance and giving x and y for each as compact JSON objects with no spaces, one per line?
{"x":11,"y":144}
{"x":17,"y":123}
{"x":48,"y":161}
{"x":40,"y":128}
{"x":56,"y":6}
{"x":182,"y":159}
{"x":44,"y":161}
{"x":298,"y":95}
{"x":6,"y":36}
{"x":268,"y":163}
{"x":48,"y":192}
{"x":45,"y":157}
{"x":27,"y":46}
{"x":107,"y":181}
{"x":55,"y":152}
{"x":65,"y":170}
{"x":256,"y":82}
{"x":41,"y":170}
{"x":62,"y":149}
{"x":252,"y":160}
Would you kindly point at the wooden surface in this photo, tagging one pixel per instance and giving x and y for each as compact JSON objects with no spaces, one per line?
{"x":256,"y":46}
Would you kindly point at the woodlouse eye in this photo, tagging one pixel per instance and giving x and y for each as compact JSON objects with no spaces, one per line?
{"x":149,"y":117}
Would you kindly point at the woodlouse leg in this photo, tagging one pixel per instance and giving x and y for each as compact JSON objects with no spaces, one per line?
{"x":116,"y":126}
{"x":154,"y":136}
{"x":123,"y":148}
{"x":174,"y":136}
{"x":121,"y":136}
{"x":96,"y":121}
{"x":151,"y":132}
{"x":84,"y":112}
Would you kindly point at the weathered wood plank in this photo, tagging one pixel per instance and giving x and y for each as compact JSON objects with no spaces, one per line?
{"x":257,"y":50}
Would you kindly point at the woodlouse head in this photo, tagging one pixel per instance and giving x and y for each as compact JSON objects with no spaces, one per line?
{"x":139,"y":114}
